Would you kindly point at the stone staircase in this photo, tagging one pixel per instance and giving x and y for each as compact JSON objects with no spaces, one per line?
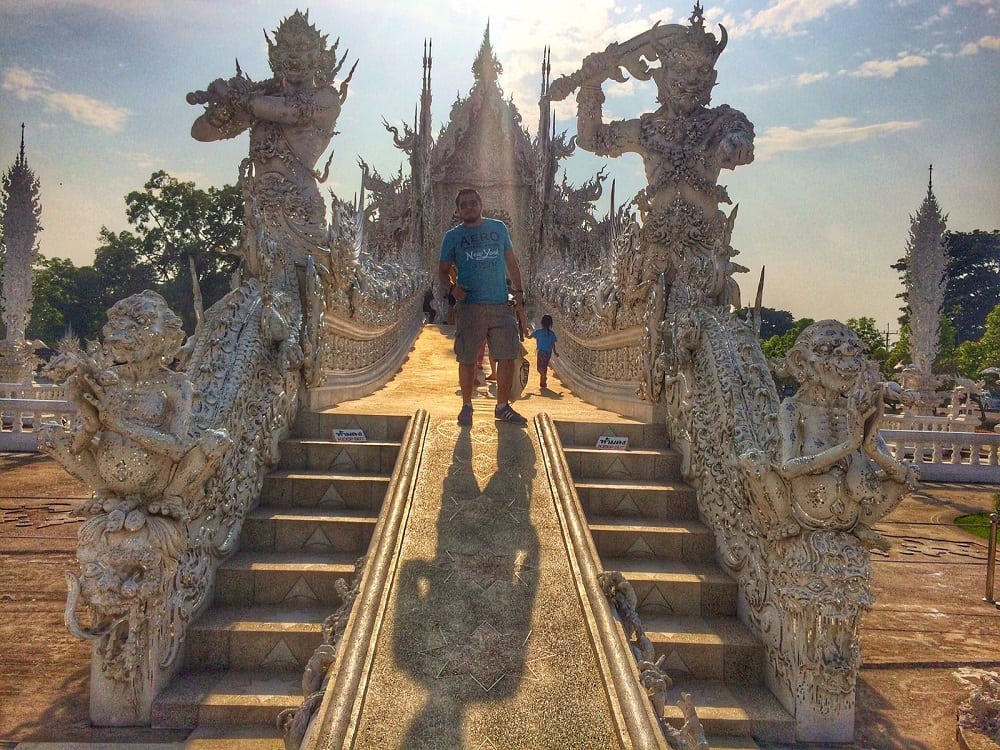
{"x":643,"y":520}
{"x":245,"y":654}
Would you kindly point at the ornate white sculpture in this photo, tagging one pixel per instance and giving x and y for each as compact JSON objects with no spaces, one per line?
{"x":790,"y":489}
{"x":176,"y":458}
{"x":926,"y":263}
{"x":684,"y":145}
{"x":831,"y":471}
{"x":291,"y":119}
{"x":135,"y":443}
{"x":21,"y":211}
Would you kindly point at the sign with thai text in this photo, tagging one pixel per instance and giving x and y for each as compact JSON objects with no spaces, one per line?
{"x":354,"y":435}
{"x":612,"y":442}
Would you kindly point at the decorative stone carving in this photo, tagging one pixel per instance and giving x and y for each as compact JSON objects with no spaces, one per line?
{"x":134,"y":441}
{"x":684,"y":145}
{"x":21,"y":212}
{"x":832,"y":471}
{"x":979,"y":715}
{"x":177,"y":457}
{"x":654,"y":678}
{"x":790,"y":489}
{"x":926,"y":263}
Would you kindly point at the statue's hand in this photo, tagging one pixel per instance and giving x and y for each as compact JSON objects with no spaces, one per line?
{"x":597,"y":67}
{"x":736,"y":149}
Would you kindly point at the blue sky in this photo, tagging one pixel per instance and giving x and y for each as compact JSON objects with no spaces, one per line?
{"x":851,"y":101}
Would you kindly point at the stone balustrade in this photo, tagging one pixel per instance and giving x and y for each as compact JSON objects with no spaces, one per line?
{"x":928,"y":423}
{"x":948,"y":456}
{"x":20,"y":417}
{"x":42,"y":391}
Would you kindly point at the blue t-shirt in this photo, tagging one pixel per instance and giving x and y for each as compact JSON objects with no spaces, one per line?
{"x":544,"y":338}
{"x":478,"y":253}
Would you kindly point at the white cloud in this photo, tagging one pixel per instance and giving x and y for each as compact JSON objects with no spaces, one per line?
{"x":888,"y":68}
{"x":786,"y":17}
{"x":28,"y":85}
{"x":990,"y":6}
{"x":804,"y":79}
{"x":824,"y":134}
{"x":984,"y":43}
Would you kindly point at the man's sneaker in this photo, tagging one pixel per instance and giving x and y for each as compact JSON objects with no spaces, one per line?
{"x":506,"y":413}
{"x":465,"y":416}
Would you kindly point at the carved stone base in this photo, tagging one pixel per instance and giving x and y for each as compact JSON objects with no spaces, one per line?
{"x":119,"y":704}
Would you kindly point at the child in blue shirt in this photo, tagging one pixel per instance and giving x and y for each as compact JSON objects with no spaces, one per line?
{"x":545,"y":340}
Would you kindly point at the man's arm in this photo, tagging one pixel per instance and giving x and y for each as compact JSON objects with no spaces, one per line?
{"x":514,"y":272}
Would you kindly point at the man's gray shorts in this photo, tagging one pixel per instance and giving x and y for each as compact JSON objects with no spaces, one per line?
{"x":495,"y":323}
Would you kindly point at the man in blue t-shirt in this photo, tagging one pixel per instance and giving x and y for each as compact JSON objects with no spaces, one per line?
{"x":483,"y":255}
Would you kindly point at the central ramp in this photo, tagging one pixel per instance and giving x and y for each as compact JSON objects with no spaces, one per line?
{"x":483,"y":641}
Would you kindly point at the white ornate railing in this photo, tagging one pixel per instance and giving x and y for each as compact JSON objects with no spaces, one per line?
{"x":20,"y":417}
{"x":948,"y":456}
{"x":46,"y":392}
{"x":927,"y":423}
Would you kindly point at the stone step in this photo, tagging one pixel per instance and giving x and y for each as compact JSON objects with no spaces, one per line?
{"x":308,"y":529}
{"x":634,"y":463}
{"x":587,"y":433}
{"x":325,"y":489}
{"x":707,"y":648}
{"x":671,"y":587}
{"x":733,"y":711}
{"x":223,"y":737}
{"x":283,"y":578}
{"x":373,"y":457}
{"x":378,"y":427}
{"x":646,"y":498}
{"x":715,"y":742}
{"x":259,"y":638}
{"x":639,"y":537}
{"x":227,"y":698}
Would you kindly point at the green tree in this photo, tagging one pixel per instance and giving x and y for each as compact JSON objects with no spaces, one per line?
{"x":120,"y":264}
{"x":972,"y":357}
{"x":175,"y":221}
{"x":973,"y":280}
{"x":778,"y":346}
{"x":772,"y":322}
{"x":65,"y":298}
{"x":870,"y":335}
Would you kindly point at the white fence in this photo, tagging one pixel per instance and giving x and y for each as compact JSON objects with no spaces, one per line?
{"x":948,"y":456}
{"x":928,"y":423}
{"x":24,"y":407}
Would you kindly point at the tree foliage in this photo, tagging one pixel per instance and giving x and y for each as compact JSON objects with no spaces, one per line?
{"x":175,"y":221}
{"x":172,"y":221}
{"x":870,"y":335}
{"x":772,"y":322}
{"x":973,"y":281}
{"x":66,"y":298}
{"x":778,"y":346}
{"x":972,"y":357}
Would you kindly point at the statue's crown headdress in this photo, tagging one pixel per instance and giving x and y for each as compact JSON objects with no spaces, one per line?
{"x":295,"y":32}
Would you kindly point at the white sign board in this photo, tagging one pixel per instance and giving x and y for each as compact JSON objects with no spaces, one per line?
{"x":612,"y":442}
{"x":354,"y":435}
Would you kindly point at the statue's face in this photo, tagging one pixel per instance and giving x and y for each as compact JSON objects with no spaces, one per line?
{"x":135,"y":331}
{"x":295,"y":64}
{"x":686,"y":80}
{"x":120,"y":572}
{"x":833,"y":355}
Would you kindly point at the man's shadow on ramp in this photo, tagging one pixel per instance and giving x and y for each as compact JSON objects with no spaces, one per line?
{"x":464,"y":618}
